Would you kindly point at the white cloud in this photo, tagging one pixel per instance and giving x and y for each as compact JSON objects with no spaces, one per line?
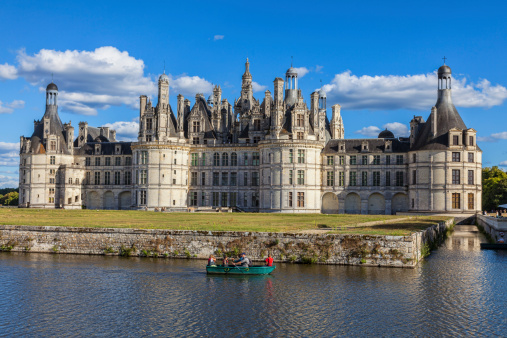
{"x":10,"y":159}
{"x":318,"y":69}
{"x":189,"y":85}
{"x":8,"y":72}
{"x":302,"y":71}
{"x":371,"y":131}
{"x":8,"y":146}
{"x":88,"y":80}
{"x":8,"y":181}
{"x":417,"y":92}
{"x":8,"y":108}
{"x":125,"y":130}
{"x":258,"y":87}
{"x":218,"y":37}
{"x":493,"y":137}
{"x":397,"y":128}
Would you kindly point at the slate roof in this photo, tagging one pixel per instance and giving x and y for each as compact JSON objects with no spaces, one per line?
{"x":107,"y":148}
{"x":55,"y":128}
{"x":374,"y":145}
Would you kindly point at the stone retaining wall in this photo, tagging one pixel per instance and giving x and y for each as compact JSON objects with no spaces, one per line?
{"x":396,"y":251}
{"x":492,"y":225}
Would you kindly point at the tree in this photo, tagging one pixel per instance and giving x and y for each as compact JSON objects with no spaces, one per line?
{"x":494,"y":188}
{"x":11,"y":198}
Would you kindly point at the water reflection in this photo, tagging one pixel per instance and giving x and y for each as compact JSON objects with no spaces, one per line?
{"x":458,"y":290}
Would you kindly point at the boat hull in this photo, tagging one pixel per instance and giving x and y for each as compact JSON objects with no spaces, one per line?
{"x":237,"y":270}
{"x":493,"y":246}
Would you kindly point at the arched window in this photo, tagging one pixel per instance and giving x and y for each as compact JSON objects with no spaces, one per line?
{"x":216,"y":159}
{"x":225,"y":160}
{"x":234,"y":159}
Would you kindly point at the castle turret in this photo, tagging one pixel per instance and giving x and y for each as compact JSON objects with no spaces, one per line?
{"x":291,"y":86}
{"x":163,"y":91}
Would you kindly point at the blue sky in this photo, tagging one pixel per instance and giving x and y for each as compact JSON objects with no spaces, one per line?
{"x":376,"y":59}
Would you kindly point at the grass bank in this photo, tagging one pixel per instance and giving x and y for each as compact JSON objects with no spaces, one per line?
{"x":343,"y":224}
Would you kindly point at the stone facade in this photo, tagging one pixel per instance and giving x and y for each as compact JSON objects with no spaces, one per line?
{"x":278,"y":155}
{"x":395,"y":251}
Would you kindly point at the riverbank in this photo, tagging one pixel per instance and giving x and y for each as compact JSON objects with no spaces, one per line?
{"x":318,"y":248}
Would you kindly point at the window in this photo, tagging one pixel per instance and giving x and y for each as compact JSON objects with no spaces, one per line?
{"x":215,"y":199}
{"x":342,"y":160}
{"x":224,"y":199}
{"x":70,"y":180}
{"x":245,"y":159}
{"x":88,"y":161}
{"x":193,"y":179}
{"x":225,"y":159}
{"x":97,"y":178}
{"x":352,"y":178}
{"x":88,"y":181}
{"x":388,"y":159}
{"x":364,"y":178}
{"x":414,"y":158}
{"x":255,"y":178}
{"x":352,"y":160}
{"x":149,"y":124}
{"x":257,"y":125}
{"x":233,"y":199}
{"x":364,"y":160}
{"x":216,"y":159}
{"x":245,"y":179}
{"x":97,"y":161}
{"x":456,"y":157}
{"x":301,"y":156}
{"x":290,"y":177}
{"x":203,"y":159}
{"x":117,"y":178}
{"x":216,"y":179}
{"x":193,"y":198}
{"x":300,"y":135}
{"x":290,"y":199}
{"x":144,"y":177}
{"x":144,"y":157}
{"x":196,"y":127}
{"x":455,"y":176}
{"x":203,"y":198}
{"x":330,"y":160}
{"x":456,"y":201}
{"x":255,"y":199}
{"x":470,"y":142}
{"x":470,"y":177}
{"x":341,"y":178}
{"x":194,"y":159}
{"x":255,"y":159}
{"x":330,"y":178}
{"x":256,"y":139}
{"x":128,"y":160}
{"x":234,"y":179}
{"x":52,"y":160}
{"x":245,"y":199}
{"x":225,"y":178}
{"x":52,"y":191}
{"x":142,"y":197}
{"x":471,"y":157}
{"x":300,"y":122}
{"x":291,"y":155}
{"x":414,"y":177}
{"x":399,"y":178}
{"x":301,"y":199}
{"x":108,"y":161}
{"x":376,"y":159}
{"x":148,"y":138}
{"x":51,"y":181}
{"x":413,"y":203}
{"x":51,"y":200}
{"x":117,"y":161}
{"x":455,"y":140}
{"x":175,"y":161}
{"x":376,"y":178}
{"x":470,"y":201}
{"x":234,"y":159}
{"x":301,"y":177}
{"x":399,"y":159}
{"x":52,"y":145}
{"x":128,"y":178}
{"x":77,"y":180}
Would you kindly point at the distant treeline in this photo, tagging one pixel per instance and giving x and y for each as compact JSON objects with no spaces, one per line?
{"x":9,"y":196}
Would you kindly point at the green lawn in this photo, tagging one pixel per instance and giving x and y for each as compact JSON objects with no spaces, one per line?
{"x":213,"y":221}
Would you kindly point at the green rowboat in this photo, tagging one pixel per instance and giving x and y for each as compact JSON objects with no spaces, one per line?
{"x":239,"y":270}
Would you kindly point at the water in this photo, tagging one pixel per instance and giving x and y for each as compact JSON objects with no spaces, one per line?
{"x":458,"y":290}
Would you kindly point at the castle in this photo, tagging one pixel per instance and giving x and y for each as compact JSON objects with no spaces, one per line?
{"x":278,"y":155}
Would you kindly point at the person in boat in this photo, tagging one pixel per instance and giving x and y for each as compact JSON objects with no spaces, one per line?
{"x":242,"y":261}
{"x":212,"y":261}
{"x":269,"y":260}
{"x":226,"y":261}
{"x":501,"y":240}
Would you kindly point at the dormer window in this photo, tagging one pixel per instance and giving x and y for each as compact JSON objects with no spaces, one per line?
{"x":196,"y":126}
{"x":97,"y":149}
{"x":471,"y":141}
{"x":455,"y":140}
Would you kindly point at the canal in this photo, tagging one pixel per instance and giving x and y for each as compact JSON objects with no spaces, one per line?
{"x":458,"y":290}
